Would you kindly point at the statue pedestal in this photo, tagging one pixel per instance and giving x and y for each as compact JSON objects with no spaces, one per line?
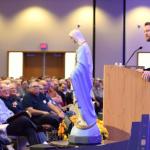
{"x":85,"y":136}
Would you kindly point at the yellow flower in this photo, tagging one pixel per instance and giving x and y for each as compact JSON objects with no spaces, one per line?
{"x":65,"y":138}
{"x":62,"y":130}
{"x":102,"y":129}
{"x":73,"y":119}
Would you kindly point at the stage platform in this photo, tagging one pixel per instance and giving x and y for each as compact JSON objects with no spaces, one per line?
{"x":110,"y":145}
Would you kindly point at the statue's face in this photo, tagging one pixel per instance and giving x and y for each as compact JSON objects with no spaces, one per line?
{"x":73,"y":40}
{"x":147,"y":32}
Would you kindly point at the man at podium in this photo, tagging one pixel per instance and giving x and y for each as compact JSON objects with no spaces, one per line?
{"x":147,"y":31}
{"x":146,"y":73}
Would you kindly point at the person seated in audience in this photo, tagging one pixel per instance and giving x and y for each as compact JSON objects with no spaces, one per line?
{"x":55,"y":83}
{"x":6,"y":81}
{"x":69,"y":93}
{"x":56,"y":99}
{"x":41,"y":88}
{"x":54,"y":96}
{"x":24,"y":86}
{"x":42,"y":110}
{"x":20,"y":126}
{"x":11,"y":99}
{"x":45,"y":85}
{"x":98,"y":95}
{"x":47,"y":89}
{"x":20,"y":91}
{"x":65,"y":91}
{"x":62,"y":90}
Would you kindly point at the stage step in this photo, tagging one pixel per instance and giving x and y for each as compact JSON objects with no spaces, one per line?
{"x":122,"y":145}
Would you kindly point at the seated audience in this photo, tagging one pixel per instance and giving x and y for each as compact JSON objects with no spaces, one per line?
{"x":42,"y":110}
{"x":9,"y":96}
{"x":20,"y":126}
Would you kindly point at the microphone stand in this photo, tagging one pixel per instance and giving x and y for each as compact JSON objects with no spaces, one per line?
{"x":132,"y":55}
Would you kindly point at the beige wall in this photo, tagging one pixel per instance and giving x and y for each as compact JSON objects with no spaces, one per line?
{"x":24,"y":25}
{"x":109,"y":34}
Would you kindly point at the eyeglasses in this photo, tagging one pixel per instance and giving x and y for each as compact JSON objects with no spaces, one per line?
{"x":5,"y":91}
{"x":35,"y":86}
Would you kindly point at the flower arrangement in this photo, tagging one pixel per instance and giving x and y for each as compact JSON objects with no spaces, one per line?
{"x":63,"y":129}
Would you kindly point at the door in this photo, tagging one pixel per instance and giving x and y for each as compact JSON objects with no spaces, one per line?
{"x":41,"y":64}
{"x":33,"y":65}
{"x":55,"y":64}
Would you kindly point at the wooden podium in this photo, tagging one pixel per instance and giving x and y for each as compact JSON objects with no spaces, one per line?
{"x":126,"y":98}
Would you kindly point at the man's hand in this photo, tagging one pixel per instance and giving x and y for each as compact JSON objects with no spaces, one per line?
{"x":46,"y":126}
{"x":140,"y":70}
{"x":30,"y":115}
{"x":45,"y":112}
{"x":146,"y":75}
{"x":61,"y":114}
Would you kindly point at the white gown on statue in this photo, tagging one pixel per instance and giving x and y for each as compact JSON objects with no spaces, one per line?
{"x":86,"y":130}
{"x":82,"y":84}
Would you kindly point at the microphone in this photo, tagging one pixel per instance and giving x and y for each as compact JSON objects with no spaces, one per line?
{"x":133,"y":54}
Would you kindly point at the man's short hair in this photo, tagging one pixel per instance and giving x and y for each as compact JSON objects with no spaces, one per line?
{"x":147,"y":23}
